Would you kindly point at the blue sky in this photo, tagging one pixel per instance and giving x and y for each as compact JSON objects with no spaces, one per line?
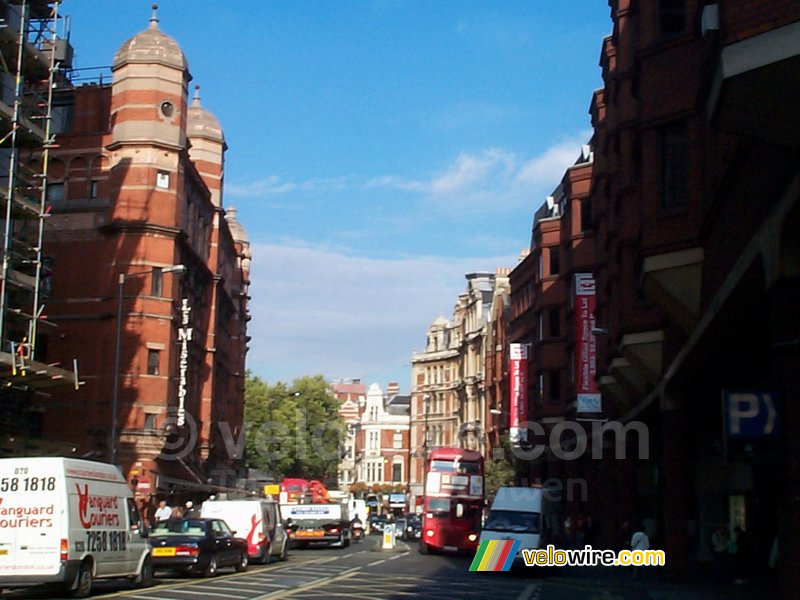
{"x":379,"y":150}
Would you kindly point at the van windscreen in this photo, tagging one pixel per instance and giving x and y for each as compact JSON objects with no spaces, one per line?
{"x":513,"y":521}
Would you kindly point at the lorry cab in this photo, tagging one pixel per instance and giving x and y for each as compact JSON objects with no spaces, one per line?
{"x":67,"y":522}
{"x":257,"y":520}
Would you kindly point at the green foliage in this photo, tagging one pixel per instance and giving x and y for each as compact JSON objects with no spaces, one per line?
{"x":294,"y":430}
{"x":498,"y":473}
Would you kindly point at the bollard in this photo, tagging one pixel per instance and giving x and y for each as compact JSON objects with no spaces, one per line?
{"x":388,"y":536}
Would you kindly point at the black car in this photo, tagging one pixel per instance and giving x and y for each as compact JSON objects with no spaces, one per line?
{"x":377,"y":523}
{"x":197,"y":546}
{"x":413,"y":528}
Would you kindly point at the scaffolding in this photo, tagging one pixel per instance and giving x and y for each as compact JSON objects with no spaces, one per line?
{"x":35,"y":56}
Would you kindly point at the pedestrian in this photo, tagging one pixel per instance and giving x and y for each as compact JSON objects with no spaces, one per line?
{"x":163,"y":512}
{"x":741,"y":554}
{"x":639,"y":543}
{"x":189,"y":511}
{"x":719,"y":548}
{"x":624,"y":539}
{"x":588,"y":531}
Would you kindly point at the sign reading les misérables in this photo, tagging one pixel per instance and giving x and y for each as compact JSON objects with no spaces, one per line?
{"x":184,"y":336}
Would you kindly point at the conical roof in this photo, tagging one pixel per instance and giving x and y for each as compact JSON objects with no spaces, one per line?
{"x":151,"y":46}
{"x":201,"y":123}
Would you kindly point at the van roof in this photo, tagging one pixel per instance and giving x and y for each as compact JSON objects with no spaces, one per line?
{"x":517,"y":498}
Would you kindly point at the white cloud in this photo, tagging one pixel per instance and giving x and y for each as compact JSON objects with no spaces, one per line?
{"x":494,"y":179}
{"x":321,"y":311}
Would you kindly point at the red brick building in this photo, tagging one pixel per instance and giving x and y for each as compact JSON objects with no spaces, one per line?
{"x":688,"y":218}
{"x":135,"y":189}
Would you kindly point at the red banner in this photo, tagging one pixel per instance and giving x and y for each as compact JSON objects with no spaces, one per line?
{"x":588,"y":398}
{"x":518,"y":402}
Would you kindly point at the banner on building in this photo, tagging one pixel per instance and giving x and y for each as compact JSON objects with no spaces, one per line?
{"x":518,"y":402}
{"x":589,"y":399}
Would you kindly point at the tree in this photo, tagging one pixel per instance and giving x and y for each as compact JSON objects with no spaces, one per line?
{"x":499,"y":473}
{"x":293,"y":431}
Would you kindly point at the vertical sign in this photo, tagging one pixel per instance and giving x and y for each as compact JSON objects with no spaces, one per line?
{"x":589,"y":400}
{"x":184,"y":337}
{"x":518,"y":402}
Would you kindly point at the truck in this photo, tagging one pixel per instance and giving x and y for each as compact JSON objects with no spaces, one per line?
{"x":327,"y":523}
{"x":66,"y":522}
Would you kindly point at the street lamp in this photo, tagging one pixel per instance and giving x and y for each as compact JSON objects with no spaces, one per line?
{"x":177,"y":269}
{"x":427,"y":399}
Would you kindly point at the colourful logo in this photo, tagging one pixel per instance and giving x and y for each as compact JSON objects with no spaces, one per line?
{"x":495,"y":555}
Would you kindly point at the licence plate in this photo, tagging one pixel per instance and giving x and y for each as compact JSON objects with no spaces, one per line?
{"x":451,"y":548}
{"x":163,"y":551}
{"x":310,"y":533}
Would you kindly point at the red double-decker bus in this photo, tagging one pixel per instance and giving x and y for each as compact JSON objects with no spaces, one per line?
{"x":453,"y":502}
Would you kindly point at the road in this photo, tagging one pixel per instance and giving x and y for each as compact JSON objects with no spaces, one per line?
{"x":361,"y":571}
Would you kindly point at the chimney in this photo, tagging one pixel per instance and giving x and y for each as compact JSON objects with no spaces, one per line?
{"x":392,"y":389}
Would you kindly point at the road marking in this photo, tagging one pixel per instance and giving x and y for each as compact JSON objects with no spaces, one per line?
{"x":527,"y":592}
{"x":377,"y":562}
{"x":202,"y":592}
{"x":396,"y":556}
{"x":283,"y":593}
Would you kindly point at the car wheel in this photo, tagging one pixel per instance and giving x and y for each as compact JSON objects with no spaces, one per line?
{"x":284,"y":550}
{"x":241,"y":566}
{"x":145,"y":578}
{"x":211,"y":567}
{"x":85,"y":580}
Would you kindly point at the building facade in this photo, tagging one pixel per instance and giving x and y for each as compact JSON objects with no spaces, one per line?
{"x":150,"y":274}
{"x":383,"y":446}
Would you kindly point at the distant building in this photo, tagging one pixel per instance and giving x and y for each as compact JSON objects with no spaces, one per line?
{"x":383,"y":456}
{"x":352,"y":395}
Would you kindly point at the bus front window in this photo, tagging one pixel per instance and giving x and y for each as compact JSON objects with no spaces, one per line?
{"x":438,"y":506}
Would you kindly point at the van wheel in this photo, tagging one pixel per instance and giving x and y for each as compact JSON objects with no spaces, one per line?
{"x":85,"y":580}
{"x":284,"y":550}
{"x":146,"y":575}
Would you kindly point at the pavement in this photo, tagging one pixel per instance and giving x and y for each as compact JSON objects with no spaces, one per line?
{"x":615,"y":583}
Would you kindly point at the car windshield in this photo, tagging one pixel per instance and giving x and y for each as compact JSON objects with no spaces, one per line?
{"x":414,"y":521}
{"x":513,"y":521}
{"x":182,"y":527}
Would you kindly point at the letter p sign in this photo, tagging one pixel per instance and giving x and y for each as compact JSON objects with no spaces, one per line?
{"x":750,"y":414}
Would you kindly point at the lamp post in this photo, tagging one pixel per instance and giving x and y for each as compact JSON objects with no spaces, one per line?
{"x":427,"y":399}
{"x":177,"y":269}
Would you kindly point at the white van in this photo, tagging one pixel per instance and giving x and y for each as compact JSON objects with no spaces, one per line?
{"x":257,"y":520}
{"x":68,"y":521}
{"x":526,"y":514}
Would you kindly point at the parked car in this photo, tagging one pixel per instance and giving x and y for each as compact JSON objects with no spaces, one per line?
{"x":197,"y":546}
{"x":413,"y":528}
